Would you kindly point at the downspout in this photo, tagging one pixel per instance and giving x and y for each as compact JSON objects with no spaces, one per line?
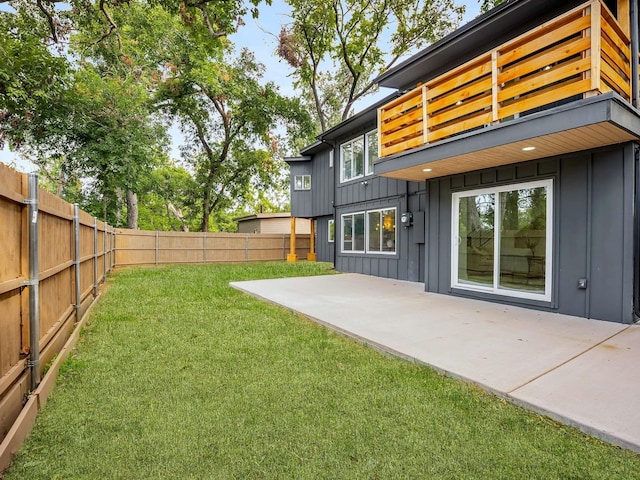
{"x":635,"y":48}
{"x":636,"y":234}
{"x":333,"y":202}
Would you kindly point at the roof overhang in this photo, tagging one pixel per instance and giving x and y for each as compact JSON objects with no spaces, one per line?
{"x":301,"y":158}
{"x":582,"y":125}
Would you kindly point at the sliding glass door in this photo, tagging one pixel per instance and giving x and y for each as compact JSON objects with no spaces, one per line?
{"x":502,"y":240}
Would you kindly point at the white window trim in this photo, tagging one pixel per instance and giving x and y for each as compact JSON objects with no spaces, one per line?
{"x":495,"y":289}
{"x":352,"y":214}
{"x":366,"y":232}
{"x":365,"y":152}
{"x":295,"y":182}
{"x":395,"y":233}
{"x":329,"y":223}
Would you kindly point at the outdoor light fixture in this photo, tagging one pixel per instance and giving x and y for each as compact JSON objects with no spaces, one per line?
{"x":426,"y":169}
{"x":528,"y":149}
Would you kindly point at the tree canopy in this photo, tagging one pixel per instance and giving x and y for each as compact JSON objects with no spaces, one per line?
{"x":90,"y":88}
{"x":338,"y":47}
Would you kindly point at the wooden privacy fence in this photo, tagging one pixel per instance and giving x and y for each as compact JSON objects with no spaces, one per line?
{"x":139,"y":247}
{"x":52,"y":258}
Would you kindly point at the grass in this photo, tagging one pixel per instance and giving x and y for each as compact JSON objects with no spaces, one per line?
{"x":179,"y":376}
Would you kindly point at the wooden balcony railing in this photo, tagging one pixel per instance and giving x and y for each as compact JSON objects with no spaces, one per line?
{"x":584,"y":52}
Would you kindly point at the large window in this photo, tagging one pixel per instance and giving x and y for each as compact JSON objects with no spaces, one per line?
{"x":502,"y":240}
{"x":381,"y":229}
{"x":357,"y":156}
{"x":302,"y":182}
{"x":373,"y":231}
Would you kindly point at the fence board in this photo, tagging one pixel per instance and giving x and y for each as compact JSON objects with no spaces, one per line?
{"x":137,"y":247}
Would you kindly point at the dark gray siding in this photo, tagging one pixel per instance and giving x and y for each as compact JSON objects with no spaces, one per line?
{"x":301,"y":200}
{"x":593,"y":230}
{"x":322,"y":184}
{"x":408,"y":262}
{"x":324,"y":249}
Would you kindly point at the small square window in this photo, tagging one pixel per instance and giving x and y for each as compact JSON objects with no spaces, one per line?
{"x":302,"y":182}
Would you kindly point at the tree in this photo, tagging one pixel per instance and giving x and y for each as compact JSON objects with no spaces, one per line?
{"x":228,"y":117}
{"x":167,"y":199}
{"x":338,"y":47}
{"x":216,"y":18}
{"x":489,"y":4}
{"x":32,"y":76}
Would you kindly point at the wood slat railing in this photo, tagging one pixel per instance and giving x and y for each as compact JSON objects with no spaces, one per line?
{"x":581,"y":53}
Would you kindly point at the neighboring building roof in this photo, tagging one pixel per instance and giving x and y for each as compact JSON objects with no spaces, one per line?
{"x":262,"y":215}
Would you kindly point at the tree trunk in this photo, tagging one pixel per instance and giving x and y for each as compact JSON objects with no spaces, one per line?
{"x":119,"y":206}
{"x":132,"y":210}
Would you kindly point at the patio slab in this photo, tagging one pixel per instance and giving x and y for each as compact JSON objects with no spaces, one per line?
{"x":576,"y":370}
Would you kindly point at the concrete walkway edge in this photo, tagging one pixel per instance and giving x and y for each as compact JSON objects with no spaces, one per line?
{"x":577,"y":371}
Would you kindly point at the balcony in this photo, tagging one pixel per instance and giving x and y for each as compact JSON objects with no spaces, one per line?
{"x":583,"y":53}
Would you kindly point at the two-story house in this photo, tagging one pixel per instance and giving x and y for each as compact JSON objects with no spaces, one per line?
{"x":504,"y":169}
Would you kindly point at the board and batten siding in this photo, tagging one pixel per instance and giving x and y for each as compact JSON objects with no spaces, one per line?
{"x":408,"y":261}
{"x":592,"y":225}
{"x":322,"y":184}
{"x":324,"y":248}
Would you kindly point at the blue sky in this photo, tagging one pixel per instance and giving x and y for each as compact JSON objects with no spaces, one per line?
{"x":260,"y":36}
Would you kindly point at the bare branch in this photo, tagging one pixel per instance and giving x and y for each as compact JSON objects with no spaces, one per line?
{"x":112,"y":27}
{"x":52,"y":26}
{"x":207,"y":22}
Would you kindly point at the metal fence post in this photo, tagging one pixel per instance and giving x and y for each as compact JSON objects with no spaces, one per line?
{"x":33,"y":283}
{"x":157,"y":241}
{"x":76,"y":259}
{"x":95,"y":256}
{"x":204,"y":248}
{"x":246,"y":247}
{"x":104,"y":251}
{"x":114,"y":249}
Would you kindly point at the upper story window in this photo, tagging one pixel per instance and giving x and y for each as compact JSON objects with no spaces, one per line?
{"x":302,"y":182}
{"x":357,"y":156}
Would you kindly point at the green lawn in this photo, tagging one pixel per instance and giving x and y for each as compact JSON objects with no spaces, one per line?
{"x":179,"y":376}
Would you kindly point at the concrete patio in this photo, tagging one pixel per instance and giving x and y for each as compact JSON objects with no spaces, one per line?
{"x":581,"y":372}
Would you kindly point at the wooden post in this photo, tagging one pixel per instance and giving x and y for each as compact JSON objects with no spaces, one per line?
{"x":311,"y":256}
{"x":596,"y":33}
{"x":292,"y":256}
{"x":425,"y":116}
{"x":495,"y":117}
